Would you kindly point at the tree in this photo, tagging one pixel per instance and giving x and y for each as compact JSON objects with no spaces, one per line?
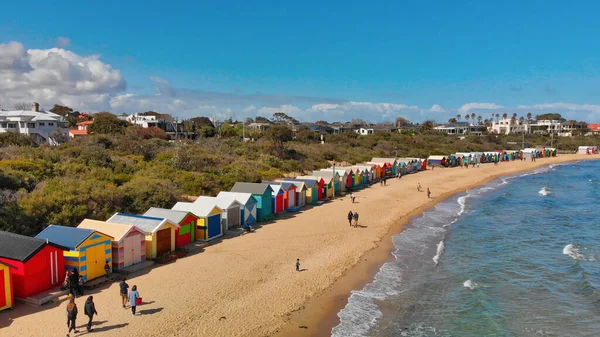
{"x":62,"y":110}
{"x":550,"y":116}
{"x":473,"y":115}
{"x":59,"y":136}
{"x":260,"y":119}
{"x":201,"y":121}
{"x":152,"y":132}
{"x":497,"y":117}
{"x":521,"y":120}
{"x":107,"y":123}
{"x":22,"y":106}
{"x":479,"y":119}
{"x":322,"y":123}
{"x":283,"y":119}
{"x":451,"y":120}
{"x":401,"y":121}
{"x":458,"y":116}
{"x":529,"y":117}
{"x":278,"y":135}
{"x":427,"y":126}
{"x":504,"y":115}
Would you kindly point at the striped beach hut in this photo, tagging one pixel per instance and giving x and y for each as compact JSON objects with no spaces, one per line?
{"x":89,"y":249}
{"x":248,"y":202}
{"x":264,"y":198}
{"x":185,"y":232}
{"x":160,"y":232}
{"x":7,"y":298}
{"x":128,"y":244}
{"x":209,"y":219}
{"x":391,"y":165}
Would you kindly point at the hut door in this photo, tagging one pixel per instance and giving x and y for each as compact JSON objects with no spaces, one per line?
{"x":94,"y":261}
{"x":163,"y":241}
{"x":128,"y":252}
{"x":3,"y":285}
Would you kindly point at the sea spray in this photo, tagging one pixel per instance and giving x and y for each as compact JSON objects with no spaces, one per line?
{"x":544,"y":191}
{"x":439,"y":252}
{"x":470,"y":284}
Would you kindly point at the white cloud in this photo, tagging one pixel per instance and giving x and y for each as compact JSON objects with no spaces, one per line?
{"x":56,"y":76}
{"x":437,"y":108}
{"x":63,"y":42}
{"x":585,"y":112}
{"x":478,"y":106}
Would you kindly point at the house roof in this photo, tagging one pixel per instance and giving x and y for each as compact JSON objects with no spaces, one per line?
{"x":383,"y":160}
{"x":147,"y":224}
{"x":165,"y":213}
{"x":222,"y":203}
{"x":70,"y":237}
{"x":308,"y":183}
{"x":242,"y":197}
{"x":309,"y":178}
{"x":75,"y":132}
{"x":276,"y":188}
{"x":324,"y":174}
{"x":436,"y":157}
{"x":285,"y":185}
{"x":199,"y":209}
{"x":85,"y":123}
{"x":116,"y":230}
{"x":20,"y":247}
{"x":594,"y":126}
{"x":254,"y":188}
{"x":27,"y":115}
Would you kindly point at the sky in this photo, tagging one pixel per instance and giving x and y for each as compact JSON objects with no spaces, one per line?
{"x":314,"y":60}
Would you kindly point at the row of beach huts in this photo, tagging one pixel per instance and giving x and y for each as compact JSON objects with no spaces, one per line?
{"x":32,"y":265}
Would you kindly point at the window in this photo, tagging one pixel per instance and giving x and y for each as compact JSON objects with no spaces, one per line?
{"x":42,"y":124}
{"x":22,"y":124}
{"x":31,"y":125}
{"x":50,"y":124}
{"x":4,"y":125}
{"x":12,"y":125}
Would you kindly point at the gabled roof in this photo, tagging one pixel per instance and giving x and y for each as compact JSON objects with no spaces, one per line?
{"x":165,"y":213}
{"x":20,"y":247}
{"x":383,"y":160}
{"x":116,"y":230}
{"x":242,"y":197}
{"x":285,"y":185}
{"x":339,"y":170}
{"x":76,"y":132}
{"x":309,"y":183}
{"x":313,"y":178}
{"x":222,"y":203}
{"x":300,"y":185}
{"x":147,"y":224}
{"x":70,"y":237}
{"x":277,"y":189}
{"x":199,"y":209}
{"x":325,"y":175}
{"x":436,"y":157}
{"x":254,"y":188}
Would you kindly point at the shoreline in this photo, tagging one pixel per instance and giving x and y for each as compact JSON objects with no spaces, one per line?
{"x":248,"y":286}
{"x":321,"y":310}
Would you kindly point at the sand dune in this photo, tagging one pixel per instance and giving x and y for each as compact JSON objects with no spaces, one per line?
{"x":248,"y":286}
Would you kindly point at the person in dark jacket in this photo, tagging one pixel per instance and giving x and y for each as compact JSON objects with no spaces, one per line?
{"x":74,"y":282}
{"x":123,"y":286}
{"x":71,"y":315}
{"x":90,"y":310}
{"x":350,"y":217}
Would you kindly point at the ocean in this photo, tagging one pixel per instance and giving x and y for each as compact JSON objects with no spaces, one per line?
{"x":516,"y":257}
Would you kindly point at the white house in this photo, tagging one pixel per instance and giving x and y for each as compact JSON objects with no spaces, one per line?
{"x":143,"y":121}
{"x":364,"y":131}
{"x":459,"y":128}
{"x":35,"y":123}
{"x":505,"y":127}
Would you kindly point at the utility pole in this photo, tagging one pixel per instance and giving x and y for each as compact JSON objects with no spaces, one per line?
{"x":244,"y":130}
{"x":333,"y":195}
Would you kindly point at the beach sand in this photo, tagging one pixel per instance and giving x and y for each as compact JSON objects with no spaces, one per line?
{"x":248,"y":286}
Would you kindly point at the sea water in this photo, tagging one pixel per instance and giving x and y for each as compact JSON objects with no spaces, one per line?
{"x":517,"y":257}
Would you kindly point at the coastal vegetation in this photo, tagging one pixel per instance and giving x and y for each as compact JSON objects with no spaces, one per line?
{"x":123,"y":168}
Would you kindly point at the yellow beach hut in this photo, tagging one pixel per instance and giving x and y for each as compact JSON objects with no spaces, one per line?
{"x":209,"y":218}
{"x":7,"y":299}
{"x":89,"y":249}
{"x":160,"y":232}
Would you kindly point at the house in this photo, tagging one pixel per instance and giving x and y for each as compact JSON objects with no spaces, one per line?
{"x":160,"y":232}
{"x":593,"y":129}
{"x":365,"y":131}
{"x":459,"y":128}
{"x":89,"y":250}
{"x":259,"y":126}
{"x":232,"y":210}
{"x":312,"y":189}
{"x":37,"y":265}
{"x":263,"y":195}
{"x":248,"y":204}
{"x":82,"y":129}
{"x":209,"y":218}
{"x":187,"y":223}
{"x":300,"y":192}
{"x":128,"y":244}
{"x":7,"y":298}
{"x":35,"y":123}
{"x":506,"y":126}
{"x":320,"y":129}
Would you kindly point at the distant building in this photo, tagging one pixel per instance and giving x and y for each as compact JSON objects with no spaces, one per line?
{"x":35,"y":123}
{"x":82,"y":129}
{"x":143,"y":120}
{"x":459,"y":128}
{"x":505,"y":126}
{"x":171,"y":126}
{"x":320,"y":129}
{"x":593,"y":129}
{"x":556,"y":127}
{"x":363,"y":131}
{"x":259,"y":126}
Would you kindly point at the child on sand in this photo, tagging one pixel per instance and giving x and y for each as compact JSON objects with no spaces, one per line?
{"x":297,"y":264}
{"x":107,"y":269}
{"x":352,"y":197}
{"x":350,"y":217}
{"x":428,"y":193}
{"x":419,"y":187}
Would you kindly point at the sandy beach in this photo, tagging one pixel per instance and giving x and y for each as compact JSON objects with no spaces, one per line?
{"x":248,"y":286}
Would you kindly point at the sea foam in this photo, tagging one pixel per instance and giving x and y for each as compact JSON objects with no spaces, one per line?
{"x":544,"y":191}
{"x":470,"y":284}
{"x":573,"y":252}
{"x":440,"y":251}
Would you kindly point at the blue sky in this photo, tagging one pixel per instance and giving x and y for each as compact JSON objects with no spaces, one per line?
{"x":316,"y":59}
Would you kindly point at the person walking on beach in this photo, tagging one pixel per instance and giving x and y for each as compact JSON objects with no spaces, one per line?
{"x":90,"y":310}
{"x":74,"y":282}
{"x":355,"y":219}
{"x":428,"y":193}
{"x":352,"y":197}
{"x":419,"y":187}
{"x":297,"y":264}
{"x":107,"y":269}
{"x":71,"y":315}
{"x":350,"y":217}
{"x":133,"y":296}
{"x":123,"y":286}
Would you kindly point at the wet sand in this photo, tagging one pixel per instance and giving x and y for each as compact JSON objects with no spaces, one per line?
{"x":248,"y":286}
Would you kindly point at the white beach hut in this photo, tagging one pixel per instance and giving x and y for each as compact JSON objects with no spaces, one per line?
{"x":248,"y":204}
{"x":232,"y":210}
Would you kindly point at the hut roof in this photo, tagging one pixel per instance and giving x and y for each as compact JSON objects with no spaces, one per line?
{"x":254,"y":188}
{"x":300,"y":185}
{"x":147,"y":224}
{"x":70,"y":237}
{"x":116,"y":230}
{"x":20,"y":247}
{"x":201,"y":209}
{"x":242,"y":197}
{"x":284,"y":184}
{"x":436,"y":157}
{"x":222,"y":203}
{"x":329,"y":175}
{"x":165,"y":213}
{"x":310,"y":183}
{"x":383,"y":160}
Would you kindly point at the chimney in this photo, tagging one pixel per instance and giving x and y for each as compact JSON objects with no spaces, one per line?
{"x":35,"y":107}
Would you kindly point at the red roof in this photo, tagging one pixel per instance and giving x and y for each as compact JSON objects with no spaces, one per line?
{"x":78,"y":132}
{"x":86,"y":123}
{"x":595,"y":127}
